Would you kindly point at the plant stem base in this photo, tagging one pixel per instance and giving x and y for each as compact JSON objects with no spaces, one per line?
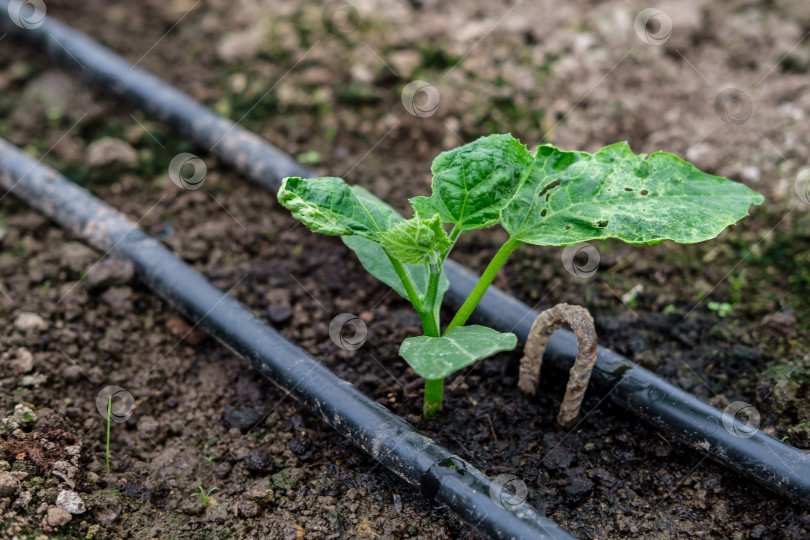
{"x":434,"y":391}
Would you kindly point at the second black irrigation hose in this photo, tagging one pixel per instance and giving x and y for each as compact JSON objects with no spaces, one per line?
{"x":774,"y":465}
{"x":441,"y":476}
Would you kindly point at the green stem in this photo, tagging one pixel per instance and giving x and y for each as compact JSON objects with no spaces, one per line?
{"x":109,"y":408}
{"x":434,"y":391}
{"x":483,"y":284}
{"x":406,"y":282}
{"x":433,"y":288}
{"x":429,"y":325}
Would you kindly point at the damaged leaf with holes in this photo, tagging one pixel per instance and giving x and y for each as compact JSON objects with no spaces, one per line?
{"x":572,"y":197}
{"x":550,"y":198}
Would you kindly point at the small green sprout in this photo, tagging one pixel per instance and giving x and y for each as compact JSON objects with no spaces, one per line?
{"x":204,"y":495}
{"x":551,"y":198}
{"x":723,"y":309}
{"x":209,"y":459}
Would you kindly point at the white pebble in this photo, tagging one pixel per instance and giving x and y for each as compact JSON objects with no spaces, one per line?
{"x":70,"y":501}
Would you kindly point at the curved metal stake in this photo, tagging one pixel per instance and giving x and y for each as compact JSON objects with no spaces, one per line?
{"x":581,"y":322}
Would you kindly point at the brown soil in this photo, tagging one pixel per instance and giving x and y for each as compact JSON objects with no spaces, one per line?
{"x":574,"y":74}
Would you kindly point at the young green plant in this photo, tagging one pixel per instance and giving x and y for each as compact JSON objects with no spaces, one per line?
{"x":204,"y":495}
{"x":551,"y":198}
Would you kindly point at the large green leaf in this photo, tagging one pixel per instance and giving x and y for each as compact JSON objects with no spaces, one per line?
{"x":328,"y":206}
{"x":572,"y":197}
{"x":474,"y":182}
{"x":376,"y":263}
{"x":416,"y":241}
{"x":439,"y":357}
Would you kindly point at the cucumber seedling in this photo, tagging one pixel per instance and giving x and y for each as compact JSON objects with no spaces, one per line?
{"x":551,"y":198}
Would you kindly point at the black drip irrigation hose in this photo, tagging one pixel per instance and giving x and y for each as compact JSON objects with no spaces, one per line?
{"x":772,"y":464}
{"x":440,"y":475}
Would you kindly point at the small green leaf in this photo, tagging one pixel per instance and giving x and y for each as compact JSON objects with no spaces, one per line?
{"x":416,"y":241}
{"x":376,"y":263}
{"x":439,"y":357}
{"x":573,"y":197}
{"x":474,"y":182}
{"x":328,"y":206}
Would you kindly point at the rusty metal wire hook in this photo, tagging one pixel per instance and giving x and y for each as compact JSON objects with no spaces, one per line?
{"x":581,"y":323}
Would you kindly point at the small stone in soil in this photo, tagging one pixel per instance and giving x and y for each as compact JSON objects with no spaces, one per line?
{"x":66,"y":471}
{"x":222,"y":469}
{"x":558,"y":459}
{"x":21,"y":360}
{"x":242,"y":418}
{"x":298,"y":448}
{"x":76,"y":256}
{"x":110,"y":272}
{"x":106,"y":506}
{"x":8,"y":485}
{"x":261,"y":492}
{"x":180,"y":329}
{"x":579,"y":485}
{"x":58,"y":517}
{"x":259,"y":461}
{"x":26,"y":321}
{"x":72,"y":372}
{"x":23,"y":501}
{"x":109,"y":151}
{"x":279,"y":314}
{"x":23,"y":417}
{"x":119,"y":299}
{"x":288,"y":478}
{"x":29,"y":381}
{"x":70,"y":501}
{"x":248,"y":509}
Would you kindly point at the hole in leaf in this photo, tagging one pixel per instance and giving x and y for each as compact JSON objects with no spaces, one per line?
{"x":568,"y":227}
{"x":602,"y":224}
{"x":628,"y":189}
{"x":645,"y":192}
{"x":550,"y":186}
{"x":543,"y":212}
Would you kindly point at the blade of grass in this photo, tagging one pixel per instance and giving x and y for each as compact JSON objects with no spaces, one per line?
{"x":109,"y":410}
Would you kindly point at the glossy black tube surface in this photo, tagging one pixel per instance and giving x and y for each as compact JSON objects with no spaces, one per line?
{"x":442,"y":476}
{"x":774,"y":465}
